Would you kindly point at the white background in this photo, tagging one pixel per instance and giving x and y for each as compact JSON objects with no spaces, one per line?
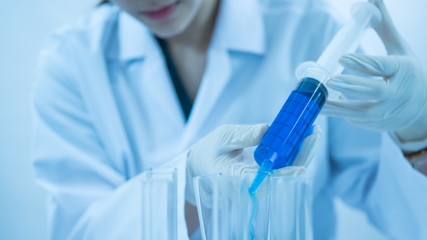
{"x":24,"y":25}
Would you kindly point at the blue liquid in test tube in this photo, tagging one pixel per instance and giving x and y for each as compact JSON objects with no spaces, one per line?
{"x":283,"y":139}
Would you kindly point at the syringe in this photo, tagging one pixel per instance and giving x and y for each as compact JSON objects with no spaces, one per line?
{"x":282,"y":141}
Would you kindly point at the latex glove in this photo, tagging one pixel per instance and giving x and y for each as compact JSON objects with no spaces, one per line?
{"x":396,"y":99}
{"x":223,"y":151}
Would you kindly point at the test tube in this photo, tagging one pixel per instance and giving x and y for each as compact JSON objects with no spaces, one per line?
{"x":227,"y":211}
{"x":159,"y":204}
{"x":280,"y":209}
{"x":290,"y":208}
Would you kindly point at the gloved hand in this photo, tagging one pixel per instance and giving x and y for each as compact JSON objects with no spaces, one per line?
{"x":223,"y":151}
{"x":395,"y":100}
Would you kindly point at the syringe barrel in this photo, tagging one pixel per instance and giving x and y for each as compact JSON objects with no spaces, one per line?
{"x":282,"y":141}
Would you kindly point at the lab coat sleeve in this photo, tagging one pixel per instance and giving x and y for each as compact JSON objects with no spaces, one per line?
{"x":87,"y":197}
{"x":369,"y":172}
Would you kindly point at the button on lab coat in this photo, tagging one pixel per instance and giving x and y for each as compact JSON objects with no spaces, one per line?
{"x":105,"y":110}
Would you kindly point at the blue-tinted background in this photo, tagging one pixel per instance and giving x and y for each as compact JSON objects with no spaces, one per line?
{"x":23,"y":27}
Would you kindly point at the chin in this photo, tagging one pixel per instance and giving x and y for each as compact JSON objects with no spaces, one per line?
{"x":171,"y":27}
{"x":168,"y":32}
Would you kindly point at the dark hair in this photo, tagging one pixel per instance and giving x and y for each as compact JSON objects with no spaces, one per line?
{"x":103,"y":1}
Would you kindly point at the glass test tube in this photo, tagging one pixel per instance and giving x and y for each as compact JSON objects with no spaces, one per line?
{"x":291,"y":208}
{"x":280,"y":209}
{"x":159,"y":204}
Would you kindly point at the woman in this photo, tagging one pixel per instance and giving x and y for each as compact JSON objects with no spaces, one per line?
{"x":137,"y":83}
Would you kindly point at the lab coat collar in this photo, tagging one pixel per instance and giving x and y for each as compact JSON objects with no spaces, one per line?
{"x":135,"y":40}
{"x":240,"y":26}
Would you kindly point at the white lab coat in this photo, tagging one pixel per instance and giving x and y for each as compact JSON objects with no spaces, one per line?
{"x":105,"y":110}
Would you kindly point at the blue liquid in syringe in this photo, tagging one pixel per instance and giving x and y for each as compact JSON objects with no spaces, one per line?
{"x":283,"y":140}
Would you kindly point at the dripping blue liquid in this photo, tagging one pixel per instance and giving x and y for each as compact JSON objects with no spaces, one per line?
{"x":252,"y":217}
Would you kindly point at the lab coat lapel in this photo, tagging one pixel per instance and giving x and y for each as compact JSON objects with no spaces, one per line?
{"x":155,"y":80}
{"x":98,"y":96}
{"x":140,"y":49}
{"x":157,"y":83}
{"x":237,"y":30}
{"x":216,"y":77}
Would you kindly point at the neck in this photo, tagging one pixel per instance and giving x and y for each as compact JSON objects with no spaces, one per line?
{"x":199,"y":33}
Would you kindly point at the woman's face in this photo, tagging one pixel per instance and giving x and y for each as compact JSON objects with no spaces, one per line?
{"x":165,"y":18}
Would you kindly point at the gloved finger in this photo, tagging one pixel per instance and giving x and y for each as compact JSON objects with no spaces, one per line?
{"x":386,"y":30}
{"x":350,"y":109}
{"x":383,"y":120}
{"x":359,"y":87}
{"x":232,"y":137}
{"x":308,"y":148}
{"x":370,"y":124}
{"x":372,"y":115}
{"x":382,"y":66}
{"x":238,"y":166}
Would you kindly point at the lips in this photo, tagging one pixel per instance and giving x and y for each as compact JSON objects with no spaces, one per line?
{"x":161,"y":13}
